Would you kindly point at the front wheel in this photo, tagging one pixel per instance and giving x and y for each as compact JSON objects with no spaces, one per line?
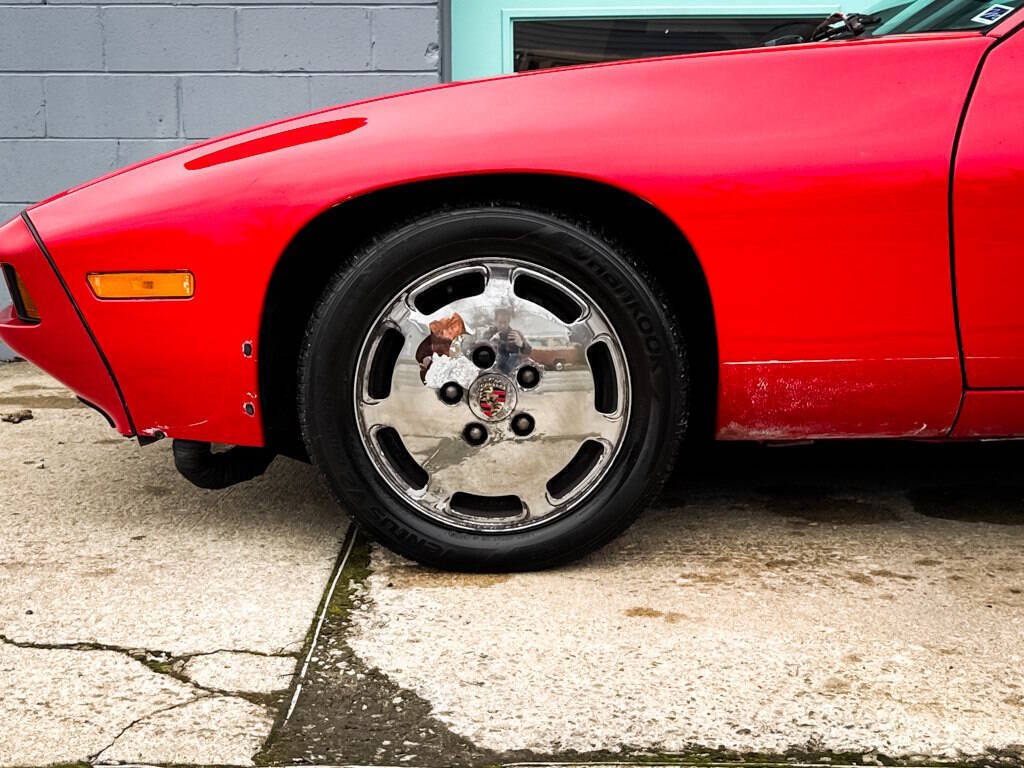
{"x":423,"y":406}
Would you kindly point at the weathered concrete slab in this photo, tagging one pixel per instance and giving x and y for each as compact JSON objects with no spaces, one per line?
{"x":211,"y":730}
{"x":815,"y":600}
{"x":50,"y":707}
{"x":234,"y":671}
{"x":103,"y":544}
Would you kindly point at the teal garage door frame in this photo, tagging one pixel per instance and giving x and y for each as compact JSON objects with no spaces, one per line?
{"x":477,"y":34}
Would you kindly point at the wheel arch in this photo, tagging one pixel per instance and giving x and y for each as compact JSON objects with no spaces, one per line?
{"x":324,"y":243}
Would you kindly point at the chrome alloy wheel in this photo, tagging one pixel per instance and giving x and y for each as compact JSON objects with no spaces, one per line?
{"x":492,"y":395}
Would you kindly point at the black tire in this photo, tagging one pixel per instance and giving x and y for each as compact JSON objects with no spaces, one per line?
{"x":576,"y":250}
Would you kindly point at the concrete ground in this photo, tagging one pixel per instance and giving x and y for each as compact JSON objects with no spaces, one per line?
{"x":142,"y":619}
{"x":829,"y":604}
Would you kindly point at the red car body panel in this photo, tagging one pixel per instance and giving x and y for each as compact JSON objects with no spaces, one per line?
{"x":811,"y":181}
{"x":991,"y":415}
{"x":989,"y":227}
{"x":59,"y":343}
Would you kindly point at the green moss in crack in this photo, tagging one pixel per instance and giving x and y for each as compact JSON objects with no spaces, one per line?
{"x":163,"y":668}
{"x":348,"y":713}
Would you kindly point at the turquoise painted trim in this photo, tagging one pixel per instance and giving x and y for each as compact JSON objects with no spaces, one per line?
{"x":481,"y":30}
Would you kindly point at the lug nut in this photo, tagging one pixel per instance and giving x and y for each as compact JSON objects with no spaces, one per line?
{"x":522,"y":424}
{"x":450,"y":393}
{"x":483,"y":356}
{"x":475,"y":434}
{"x":528,"y":377}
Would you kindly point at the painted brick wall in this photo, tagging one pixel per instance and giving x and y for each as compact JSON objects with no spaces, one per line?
{"x":87,"y":87}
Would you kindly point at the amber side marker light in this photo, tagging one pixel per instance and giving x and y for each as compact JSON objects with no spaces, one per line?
{"x":24,"y":306}
{"x":142,"y":285}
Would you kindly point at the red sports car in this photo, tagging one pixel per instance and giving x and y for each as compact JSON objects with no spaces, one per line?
{"x":821,"y":238}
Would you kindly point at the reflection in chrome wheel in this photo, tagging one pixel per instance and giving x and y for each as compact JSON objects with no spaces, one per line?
{"x":547,"y":444}
{"x":490,"y":387}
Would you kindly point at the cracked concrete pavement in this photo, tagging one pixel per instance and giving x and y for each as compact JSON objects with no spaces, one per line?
{"x":750,"y":633}
{"x":827,"y":603}
{"x":815,"y":601}
{"x":142,"y":619}
{"x":823,"y":602}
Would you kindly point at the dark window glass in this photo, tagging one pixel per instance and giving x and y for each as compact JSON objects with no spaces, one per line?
{"x":540,"y":44}
{"x":935,"y":15}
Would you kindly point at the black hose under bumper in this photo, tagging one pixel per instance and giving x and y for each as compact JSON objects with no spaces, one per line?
{"x":205,"y":469}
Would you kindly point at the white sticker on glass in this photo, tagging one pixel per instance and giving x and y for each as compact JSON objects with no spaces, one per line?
{"x":992,"y":14}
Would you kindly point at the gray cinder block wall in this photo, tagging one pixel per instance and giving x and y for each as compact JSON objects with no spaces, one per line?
{"x":87,"y":87}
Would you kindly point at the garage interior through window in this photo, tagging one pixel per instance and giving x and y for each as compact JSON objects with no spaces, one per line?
{"x":491,"y":37}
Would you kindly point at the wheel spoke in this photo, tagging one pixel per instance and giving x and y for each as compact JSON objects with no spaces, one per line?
{"x":569,"y":414}
{"x":601,"y":426}
{"x":420,"y":415}
{"x":499,"y":289}
{"x":536,"y":503}
{"x":436,"y":496}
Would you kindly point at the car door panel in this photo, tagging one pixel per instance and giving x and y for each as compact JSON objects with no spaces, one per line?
{"x":988,"y":197}
{"x":991,"y":415}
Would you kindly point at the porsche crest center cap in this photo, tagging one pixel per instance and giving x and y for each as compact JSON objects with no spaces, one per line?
{"x":492,"y":397}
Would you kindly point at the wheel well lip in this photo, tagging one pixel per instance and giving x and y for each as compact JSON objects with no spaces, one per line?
{"x":496,"y":173}
{"x":367,"y":193}
{"x":396,"y":185}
